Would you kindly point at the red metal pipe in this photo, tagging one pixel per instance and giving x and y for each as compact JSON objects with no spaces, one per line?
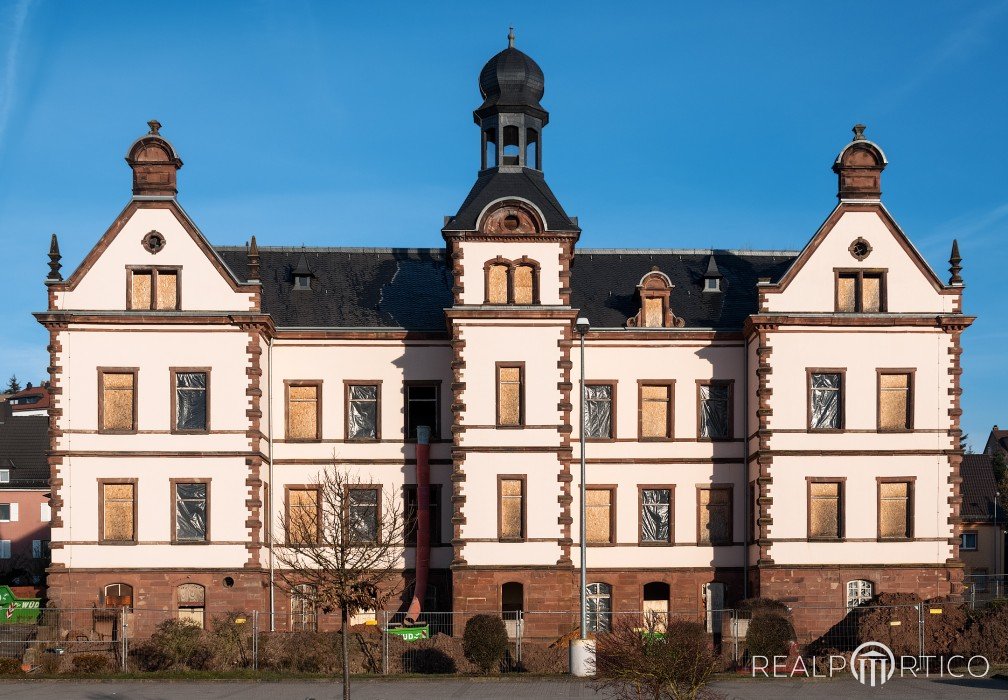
{"x":423,"y":523}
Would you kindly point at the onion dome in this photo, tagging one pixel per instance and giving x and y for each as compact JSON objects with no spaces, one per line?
{"x":511,"y":82}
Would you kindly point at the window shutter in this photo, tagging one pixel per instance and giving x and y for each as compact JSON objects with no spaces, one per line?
{"x":14,"y":512}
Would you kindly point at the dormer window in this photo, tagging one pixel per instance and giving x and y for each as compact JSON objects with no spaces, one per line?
{"x":654,"y":289}
{"x":302,"y":281}
{"x":712,"y":276}
{"x":302,"y":273}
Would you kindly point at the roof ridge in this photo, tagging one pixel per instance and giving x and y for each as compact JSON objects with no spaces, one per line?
{"x":329,"y":249}
{"x":683,"y":251}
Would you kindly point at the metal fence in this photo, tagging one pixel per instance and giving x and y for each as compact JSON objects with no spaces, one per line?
{"x":983,"y":588}
{"x":537,"y":640}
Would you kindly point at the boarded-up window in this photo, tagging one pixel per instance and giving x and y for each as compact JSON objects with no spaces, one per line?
{"x":825,"y":510}
{"x":154,"y":289}
{"x":598,"y":515}
{"x":512,"y":508}
{"x":715,"y":399}
{"x":191,"y":512}
{"x":894,"y":401}
{"x":497,"y":284}
{"x":894,"y":509}
{"x":302,"y":516}
{"x":656,"y":411}
{"x":847,"y":293}
{"x":715,"y":515}
{"x":860,"y":292}
{"x":654,"y":312}
{"x":826,"y":401}
{"x":118,"y":401}
{"x":871,"y":293}
{"x":362,"y":412}
{"x":655,"y":516}
{"x":167,"y":289}
{"x":303,"y":412}
{"x":509,"y":395}
{"x":524,"y":284}
{"x":362,"y":509}
{"x":140,"y":294}
{"x":598,"y":411}
{"x":118,"y":512}
{"x":191,"y":401}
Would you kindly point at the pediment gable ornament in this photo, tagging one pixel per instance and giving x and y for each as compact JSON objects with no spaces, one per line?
{"x":654,"y":291}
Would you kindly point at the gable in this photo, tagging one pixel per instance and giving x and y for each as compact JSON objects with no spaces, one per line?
{"x":102,"y":279}
{"x":911,"y":286}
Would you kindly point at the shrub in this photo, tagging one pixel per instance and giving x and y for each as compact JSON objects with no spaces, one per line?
{"x":754,"y":607}
{"x":10,"y":667}
{"x":231,"y":640}
{"x":673,"y":660}
{"x":430,"y":660}
{"x":91,"y":663}
{"x":769,"y":636}
{"x":174,"y":644}
{"x":485,"y":641}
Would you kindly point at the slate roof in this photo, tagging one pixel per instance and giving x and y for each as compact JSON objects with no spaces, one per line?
{"x":23,"y":444}
{"x":996,"y":441}
{"x":410,"y":287}
{"x":978,"y":488}
{"x":522,"y":183}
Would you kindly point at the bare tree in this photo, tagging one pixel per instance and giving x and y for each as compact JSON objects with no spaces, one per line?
{"x":342,"y":548}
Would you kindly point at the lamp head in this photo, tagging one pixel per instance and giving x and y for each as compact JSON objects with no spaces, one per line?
{"x":582,"y":325}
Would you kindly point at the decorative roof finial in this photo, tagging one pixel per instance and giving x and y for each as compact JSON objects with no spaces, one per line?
{"x":253,"y":259}
{"x":155,"y":127}
{"x":511,"y":37}
{"x":859,"y":132}
{"x":54,"y":260}
{"x":954,"y":267}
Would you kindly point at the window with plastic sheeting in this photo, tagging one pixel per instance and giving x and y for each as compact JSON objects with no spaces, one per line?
{"x":304,"y":411}
{"x":422,"y":408}
{"x":363,"y":512}
{"x":191,"y":510}
{"x":656,"y":515}
{"x":410,"y":514}
{"x":859,"y":592}
{"x":599,"y":411}
{"x":117,"y":402}
{"x":714,"y":506}
{"x":598,"y":607}
{"x":154,"y":289}
{"x":655,"y":411}
{"x":511,"y":508}
{"x":826,"y":401}
{"x":303,"y":516}
{"x":118,"y":506}
{"x":895,"y":509}
{"x":304,"y":608}
{"x":497,"y":283}
{"x":714,"y":408}
{"x":524,"y":284}
{"x":510,"y":394}
{"x":192,"y":391}
{"x":895,"y":402}
{"x":860,"y":291}
{"x":191,"y":603}
{"x":825,"y":510}
{"x":363,"y":411}
{"x":599,"y":511}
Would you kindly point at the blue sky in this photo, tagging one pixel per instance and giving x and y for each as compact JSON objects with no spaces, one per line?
{"x":672,"y":125}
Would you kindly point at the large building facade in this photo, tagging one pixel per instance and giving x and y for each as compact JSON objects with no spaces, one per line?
{"x":774,"y":423}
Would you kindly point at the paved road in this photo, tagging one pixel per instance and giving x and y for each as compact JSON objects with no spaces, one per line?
{"x":510,"y":689}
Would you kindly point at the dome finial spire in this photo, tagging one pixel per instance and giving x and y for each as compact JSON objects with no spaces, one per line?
{"x":511,"y":37}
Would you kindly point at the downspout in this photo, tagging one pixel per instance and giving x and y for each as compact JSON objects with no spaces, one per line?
{"x":269,"y":511}
{"x":423,"y":544}
{"x":745,"y":472}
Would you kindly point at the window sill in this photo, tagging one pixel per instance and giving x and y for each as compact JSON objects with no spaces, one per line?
{"x":114,"y":543}
{"x":825,"y":539}
{"x":649,"y":543}
{"x":826,"y":430}
{"x":202,"y":431}
{"x":291,"y":439}
{"x":368,"y":440}
{"x":894,"y":539}
{"x":509,"y":427}
{"x":655,"y":439}
{"x":894,"y":430}
{"x":726,"y":438}
{"x":191,"y":542}
{"x":510,"y":540}
{"x":102,"y":431}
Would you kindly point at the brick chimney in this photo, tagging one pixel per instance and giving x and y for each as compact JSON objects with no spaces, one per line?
{"x":859,"y":168}
{"x":155,"y":164}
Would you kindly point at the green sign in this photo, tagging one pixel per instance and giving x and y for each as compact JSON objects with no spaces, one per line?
{"x":17,"y":610}
{"x":411,"y":634}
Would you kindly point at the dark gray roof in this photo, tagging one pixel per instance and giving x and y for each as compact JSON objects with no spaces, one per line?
{"x":978,"y":488}
{"x":410,"y":288}
{"x":494,"y":184}
{"x":24,"y":441}
{"x":511,"y":81}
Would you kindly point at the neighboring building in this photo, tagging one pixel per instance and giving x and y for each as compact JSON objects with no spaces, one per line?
{"x":30,"y":401}
{"x":997,"y":442}
{"x":775,"y":423}
{"x":24,"y":497}
{"x":981,"y":544}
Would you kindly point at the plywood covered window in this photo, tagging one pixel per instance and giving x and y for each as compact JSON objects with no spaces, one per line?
{"x":362,"y":411}
{"x":510,"y":394}
{"x":191,"y":400}
{"x":599,"y":512}
{"x":524,"y":284}
{"x":825,"y":510}
{"x":497,"y":283}
{"x":714,"y":410}
{"x":656,"y":515}
{"x":304,"y":410}
{"x":598,"y":420}
{"x":511,"y":507}
{"x":364,"y":514}
{"x":860,"y":291}
{"x":154,"y":289}
{"x":655,"y":411}
{"x":895,"y":400}
{"x":895,"y":509}
{"x":118,"y":511}
{"x":714,"y":515}
{"x":826,"y":400}
{"x":117,"y":404}
{"x":303,"y":516}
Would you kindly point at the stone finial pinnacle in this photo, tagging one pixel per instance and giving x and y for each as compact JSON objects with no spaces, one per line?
{"x":155,"y":127}
{"x":253,"y":259}
{"x":54,"y":259}
{"x":859,"y":132}
{"x":954,"y":264}
{"x":511,"y":37}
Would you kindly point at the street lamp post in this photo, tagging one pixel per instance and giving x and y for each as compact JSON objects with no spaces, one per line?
{"x":582,"y":651}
